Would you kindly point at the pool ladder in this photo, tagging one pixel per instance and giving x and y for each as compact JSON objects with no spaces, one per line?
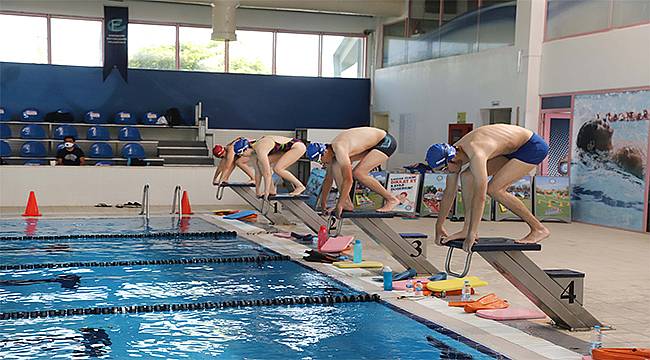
{"x":176,"y":201}
{"x":145,"y":202}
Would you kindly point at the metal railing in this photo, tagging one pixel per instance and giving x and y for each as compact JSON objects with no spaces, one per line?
{"x":176,"y":201}
{"x":145,"y":202}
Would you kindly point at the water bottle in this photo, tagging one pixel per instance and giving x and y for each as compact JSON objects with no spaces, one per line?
{"x":357,"y":251}
{"x":388,"y":278}
{"x":418,"y":288}
{"x":322,"y":236}
{"x":467,"y":291}
{"x":597,"y":341}
{"x":409,"y":286}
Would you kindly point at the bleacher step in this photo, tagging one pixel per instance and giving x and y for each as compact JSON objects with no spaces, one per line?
{"x":187,"y":160}
{"x":182,"y":143}
{"x":182,"y":150}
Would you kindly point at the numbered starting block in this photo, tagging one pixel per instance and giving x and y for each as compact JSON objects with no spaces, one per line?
{"x":409,"y":252}
{"x":558,"y":293}
{"x":297,"y":206}
{"x":246,"y":191}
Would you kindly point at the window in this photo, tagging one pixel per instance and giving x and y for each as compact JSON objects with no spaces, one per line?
{"x":497,"y":24}
{"x":76,"y":42}
{"x":198,"y":52}
{"x":424,"y":39}
{"x":252,"y":53}
{"x":459,"y":30}
{"x":564,"y":18}
{"x":297,"y":54}
{"x":630,"y":12}
{"x":152,"y":46}
{"x":394,"y":44}
{"x":23,"y":39}
{"x":342,"y":56}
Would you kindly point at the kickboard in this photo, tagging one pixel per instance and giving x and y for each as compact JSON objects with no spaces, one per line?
{"x":401,"y":284}
{"x":413,"y":235}
{"x":363,"y":264}
{"x":454,"y":284}
{"x":336,"y":244}
{"x":510,"y":314}
{"x":239,"y":215}
{"x":620,"y":353}
{"x":224,"y":211}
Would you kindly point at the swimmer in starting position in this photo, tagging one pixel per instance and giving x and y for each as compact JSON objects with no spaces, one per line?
{"x":507,"y":153}
{"x":228,"y":162}
{"x":370,"y":147}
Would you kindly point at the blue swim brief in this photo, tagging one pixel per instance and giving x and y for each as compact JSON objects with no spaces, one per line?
{"x":533,"y":152}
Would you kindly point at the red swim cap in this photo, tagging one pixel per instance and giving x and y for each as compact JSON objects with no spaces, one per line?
{"x":219,"y":151}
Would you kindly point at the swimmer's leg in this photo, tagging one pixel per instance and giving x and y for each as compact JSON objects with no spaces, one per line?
{"x":287,"y":159}
{"x":361,"y":172}
{"x":512,"y":171}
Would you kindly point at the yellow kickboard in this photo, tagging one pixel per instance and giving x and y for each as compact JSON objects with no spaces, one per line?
{"x":454,"y":284}
{"x":363,"y":264}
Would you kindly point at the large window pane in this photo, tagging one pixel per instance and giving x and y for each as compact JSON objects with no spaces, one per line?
{"x":424,"y":39}
{"x":198,"y":52}
{"x":297,"y":54}
{"x":23,"y":39}
{"x":573,"y":17}
{"x":152,"y":46}
{"x":76,"y":42}
{"x":252,"y":53}
{"x":459,"y":32}
{"x":394,"y":44}
{"x":497,"y":25}
{"x":630,"y":12}
{"x":342,"y":56}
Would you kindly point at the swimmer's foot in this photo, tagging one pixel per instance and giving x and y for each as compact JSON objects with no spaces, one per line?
{"x":389,"y":205}
{"x":297,"y":191}
{"x":535,"y":236}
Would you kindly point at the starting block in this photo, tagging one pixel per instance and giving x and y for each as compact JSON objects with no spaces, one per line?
{"x":558,"y":293}
{"x":409,"y":252}
{"x":246,"y":192}
{"x":297,"y":206}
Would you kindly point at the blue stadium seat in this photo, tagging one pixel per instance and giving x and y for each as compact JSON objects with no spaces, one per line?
{"x":98,"y":133}
{"x":5,"y":149}
{"x":129,"y":133}
{"x":100,"y":150}
{"x":149,"y":118}
{"x":133,"y":151}
{"x":60,"y":132}
{"x":94,"y":117}
{"x":33,"y":149}
{"x":5,"y":131}
{"x":124,"y":118}
{"x":35,"y":162}
{"x":4,"y":116}
{"x":33,"y":132}
{"x":31,"y":114}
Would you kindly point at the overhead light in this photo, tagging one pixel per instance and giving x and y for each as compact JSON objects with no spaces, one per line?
{"x":223,"y":19}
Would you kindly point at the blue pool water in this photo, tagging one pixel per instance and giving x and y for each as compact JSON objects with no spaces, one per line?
{"x":368,"y":330}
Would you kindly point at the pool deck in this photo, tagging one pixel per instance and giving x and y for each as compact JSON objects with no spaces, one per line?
{"x":615,"y":263}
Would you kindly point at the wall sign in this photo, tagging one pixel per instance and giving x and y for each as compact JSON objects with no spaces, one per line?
{"x":116,"y":20}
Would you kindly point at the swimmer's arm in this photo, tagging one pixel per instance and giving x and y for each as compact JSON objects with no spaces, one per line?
{"x":218,"y":172}
{"x":448,"y":196}
{"x":229,"y":165}
{"x":343,"y":159}
{"x":327,"y":186}
{"x":478,"y":167}
{"x":242,"y":163}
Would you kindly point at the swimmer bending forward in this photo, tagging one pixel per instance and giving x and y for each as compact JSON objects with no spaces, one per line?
{"x":507,"y":153}
{"x":371,"y":147}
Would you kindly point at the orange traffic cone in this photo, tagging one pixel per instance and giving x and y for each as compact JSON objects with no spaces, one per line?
{"x":32,"y":206}
{"x":186,"y":209}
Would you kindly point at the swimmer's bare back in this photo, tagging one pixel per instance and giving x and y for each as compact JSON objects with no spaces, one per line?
{"x":358,"y":140}
{"x":494,"y":140}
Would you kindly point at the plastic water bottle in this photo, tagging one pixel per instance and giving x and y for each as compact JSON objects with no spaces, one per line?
{"x":597,"y":341}
{"x":357,"y":251}
{"x":418,"y":288}
{"x":409,"y":286}
{"x":467,"y":291}
{"x":388,"y":278}
{"x":322,"y":236}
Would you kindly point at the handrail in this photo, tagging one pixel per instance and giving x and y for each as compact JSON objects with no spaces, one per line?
{"x":176,"y":201}
{"x":145,"y":202}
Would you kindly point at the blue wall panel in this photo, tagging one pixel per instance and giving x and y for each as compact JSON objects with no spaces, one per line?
{"x":231,"y":101}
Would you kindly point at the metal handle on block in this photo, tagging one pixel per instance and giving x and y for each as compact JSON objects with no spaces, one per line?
{"x":468,"y":262}
{"x":334,"y":223}
{"x":220,"y":189}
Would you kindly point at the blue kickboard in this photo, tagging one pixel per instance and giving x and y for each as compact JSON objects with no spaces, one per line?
{"x":239,"y":215}
{"x":413,"y":235}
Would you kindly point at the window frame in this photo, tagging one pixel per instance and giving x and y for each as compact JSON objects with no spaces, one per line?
{"x":178,"y":25}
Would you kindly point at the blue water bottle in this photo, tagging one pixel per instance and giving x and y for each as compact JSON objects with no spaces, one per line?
{"x":388,"y":278}
{"x":357,"y":251}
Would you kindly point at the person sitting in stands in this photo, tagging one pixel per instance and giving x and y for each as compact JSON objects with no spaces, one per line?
{"x":370,"y":147}
{"x":274,"y":154}
{"x":228,"y":162}
{"x":71,"y":154}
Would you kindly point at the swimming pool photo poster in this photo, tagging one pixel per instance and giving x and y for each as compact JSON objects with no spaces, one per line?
{"x":610,"y":158}
{"x":405,"y":187}
{"x":433,"y":187}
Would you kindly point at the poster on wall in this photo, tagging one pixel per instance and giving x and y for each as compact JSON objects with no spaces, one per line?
{"x":363,"y":198}
{"x":522,"y":189}
{"x":433,"y":186}
{"x":609,"y":158}
{"x":405,"y":187}
{"x":459,"y":207}
{"x":116,"y":20}
{"x":552,"y":199}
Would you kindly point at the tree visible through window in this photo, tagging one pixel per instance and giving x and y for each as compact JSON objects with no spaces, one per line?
{"x":198,"y":52}
{"x":152,"y":46}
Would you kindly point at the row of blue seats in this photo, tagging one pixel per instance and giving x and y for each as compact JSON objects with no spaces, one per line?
{"x":33,"y":131}
{"x":90,"y":117}
{"x":36,"y":149}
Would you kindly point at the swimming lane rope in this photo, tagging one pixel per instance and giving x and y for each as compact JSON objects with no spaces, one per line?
{"x":211,"y":234}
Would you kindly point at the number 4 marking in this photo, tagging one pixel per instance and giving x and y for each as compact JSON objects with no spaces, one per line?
{"x":569,"y":293}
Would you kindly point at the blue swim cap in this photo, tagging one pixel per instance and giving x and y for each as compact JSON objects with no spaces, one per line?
{"x":440,"y":154}
{"x":315,"y":150}
{"x":241,"y":145}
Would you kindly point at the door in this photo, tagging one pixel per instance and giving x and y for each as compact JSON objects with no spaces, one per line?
{"x":380,"y":121}
{"x":556,"y":130}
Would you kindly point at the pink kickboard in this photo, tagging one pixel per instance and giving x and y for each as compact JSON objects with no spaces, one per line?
{"x":510,"y":314}
{"x":586,"y":357}
{"x":336,"y":244}
{"x":401,"y":285}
